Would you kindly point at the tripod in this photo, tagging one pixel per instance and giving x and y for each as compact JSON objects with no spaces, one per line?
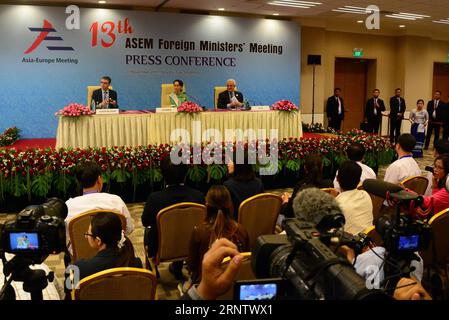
{"x":34,"y":281}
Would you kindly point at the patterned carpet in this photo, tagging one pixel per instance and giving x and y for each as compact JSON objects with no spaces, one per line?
{"x":167,"y":284}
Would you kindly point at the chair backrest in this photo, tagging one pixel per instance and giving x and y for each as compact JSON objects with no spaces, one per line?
{"x":166,"y":90}
{"x":374,"y":235}
{"x":217,"y":91}
{"x":175,"y":225}
{"x":259,"y":214}
{"x":332,"y":191}
{"x":78,"y":226}
{"x":245,"y":273}
{"x":417,"y":184}
{"x":438,"y":250}
{"x":90,"y":90}
{"x":117,"y":284}
{"x":377,"y":206}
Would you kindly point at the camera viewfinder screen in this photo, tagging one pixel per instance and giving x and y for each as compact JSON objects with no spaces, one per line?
{"x":266,"y":291}
{"x":24,"y":241}
{"x":409,"y":242}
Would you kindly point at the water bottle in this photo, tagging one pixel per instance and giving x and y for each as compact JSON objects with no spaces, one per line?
{"x":92,"y":106}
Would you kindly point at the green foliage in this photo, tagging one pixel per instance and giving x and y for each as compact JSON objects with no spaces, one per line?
{"x":217,"y":171}
{"x":197,"y":173}
{"x":41,"y":184}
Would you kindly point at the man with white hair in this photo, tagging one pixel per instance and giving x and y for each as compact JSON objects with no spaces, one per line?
{"x":230,"y":98}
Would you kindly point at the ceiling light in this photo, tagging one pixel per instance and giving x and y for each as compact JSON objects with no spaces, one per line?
{"x":221,"y":9}
{"x":294,"y":4}
{"x":443,"y":21}
{"x":360,"y":21}
{"x":101,"y":2}
{"x":407,"y":16}
{"x":401,"y":26}
{"x":275,"y":14}
{"x":351,"y":9}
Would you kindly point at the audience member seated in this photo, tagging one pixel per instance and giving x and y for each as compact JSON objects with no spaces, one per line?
{"x":440,"y":193}
{"x":218,"y":224}
{"x":90,"y":178}
{"x":312,"y":205}
{"x":356,"y":204}
{"x":405,"y":167}
{"x":356,"y":152}
{"x":115,"y":250}
{"x":175,"y":192}
{"x":313,"y":177}
{"x":242,"y":184}
{"x":441,"y":148}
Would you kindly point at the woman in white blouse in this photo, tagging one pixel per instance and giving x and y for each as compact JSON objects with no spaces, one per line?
{"x":419,"y":119}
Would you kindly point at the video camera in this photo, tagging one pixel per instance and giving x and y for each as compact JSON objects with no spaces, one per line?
{"x":404,"y":232}
{"x":312,"y":269}
{"x":37,"y":231}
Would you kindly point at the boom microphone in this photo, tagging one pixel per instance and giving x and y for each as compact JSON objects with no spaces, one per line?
{"x":380,"y":188}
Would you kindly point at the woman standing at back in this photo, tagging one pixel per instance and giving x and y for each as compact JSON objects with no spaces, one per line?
{"x":218,"y":224}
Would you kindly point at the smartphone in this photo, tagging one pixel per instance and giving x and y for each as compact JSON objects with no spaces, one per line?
{"x":428,"y":168}
{"x":260,"y":289}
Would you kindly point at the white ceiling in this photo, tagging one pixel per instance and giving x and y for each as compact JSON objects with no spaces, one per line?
{"x":320,"y":15}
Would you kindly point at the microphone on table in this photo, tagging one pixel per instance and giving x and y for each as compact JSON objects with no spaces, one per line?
{"x":195,"y":99}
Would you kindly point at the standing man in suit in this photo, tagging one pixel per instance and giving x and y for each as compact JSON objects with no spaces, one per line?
{"x":335,"y":110}
{"x":373,"y":112}
{"x":104,"y":97}
{"x":397,"y":109}
{"x":435,"y":109}
{"x":230,"y":98}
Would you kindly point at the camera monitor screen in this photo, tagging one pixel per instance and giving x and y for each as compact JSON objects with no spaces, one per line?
{"x":24,"y":241}
{"x":262,"y":291}
{"x":409,"y":242}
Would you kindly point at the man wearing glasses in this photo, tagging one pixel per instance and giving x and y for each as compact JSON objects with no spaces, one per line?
{"x":105,"y":98}
{"x":230,"y":99}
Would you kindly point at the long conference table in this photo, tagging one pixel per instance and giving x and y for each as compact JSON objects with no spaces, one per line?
{"x":142,"y":128}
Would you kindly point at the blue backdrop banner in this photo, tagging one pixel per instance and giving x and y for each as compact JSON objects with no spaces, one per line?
{"x":46,"y":64}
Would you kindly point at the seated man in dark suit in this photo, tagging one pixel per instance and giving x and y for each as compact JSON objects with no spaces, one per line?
{"x":230,"y":98}
{"x":174,"y":192}
{"x":104,"y":97}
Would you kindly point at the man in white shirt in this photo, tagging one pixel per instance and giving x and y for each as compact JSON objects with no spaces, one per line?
{"x":356,"y":152}
{"x":405,"y":166}
{"x":356,"y":204}
{"x":91,"y":179}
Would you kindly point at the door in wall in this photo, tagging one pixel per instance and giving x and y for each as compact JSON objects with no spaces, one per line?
{"x":351,"y":78}
{"x":441,"y":80}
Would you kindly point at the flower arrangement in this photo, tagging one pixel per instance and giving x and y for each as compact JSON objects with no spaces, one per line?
{"x":285,"y":105}
{"x":10,"y":136}
{"x":74,"y":110}
{"x":44,"y":172}
{"x":189,"y":107}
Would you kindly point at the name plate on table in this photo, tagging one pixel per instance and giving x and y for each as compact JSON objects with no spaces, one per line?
{"x":260,"y":108}
{"x":107,"y":111}
{"x":166,"y":110}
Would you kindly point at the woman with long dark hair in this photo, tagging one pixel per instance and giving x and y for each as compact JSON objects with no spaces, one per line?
{"x":114,"y":249}
{"x":313,"y":177}
{"x":218,"y":224}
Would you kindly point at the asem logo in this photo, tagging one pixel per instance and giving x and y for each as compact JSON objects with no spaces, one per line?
{"x":44,"y":31}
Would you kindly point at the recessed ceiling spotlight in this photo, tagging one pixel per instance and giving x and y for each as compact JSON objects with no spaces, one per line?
{"x":275,"y":14}
{"x":401,"y":26}
{"x":101,"y":2}
{"x":221,"y":9}
{"x":360,"y":21}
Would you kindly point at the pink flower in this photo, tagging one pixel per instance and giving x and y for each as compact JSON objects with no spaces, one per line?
{"x":285,"y":105}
